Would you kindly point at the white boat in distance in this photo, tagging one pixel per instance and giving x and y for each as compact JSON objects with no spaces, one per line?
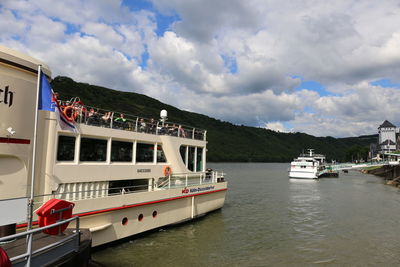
{"x":307,"y":166}
{"x":125,"y":176}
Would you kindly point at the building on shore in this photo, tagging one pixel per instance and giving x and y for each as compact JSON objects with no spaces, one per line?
{"x":388,"y":140}
{"x":387,"y":137}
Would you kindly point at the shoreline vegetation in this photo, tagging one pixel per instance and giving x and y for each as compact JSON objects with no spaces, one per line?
{"x":227,"y":142}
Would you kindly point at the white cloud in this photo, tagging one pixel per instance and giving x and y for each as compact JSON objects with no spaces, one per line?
{"x":232,"y":60}
{"x":10,"y":26}
{"x":277,"y":127}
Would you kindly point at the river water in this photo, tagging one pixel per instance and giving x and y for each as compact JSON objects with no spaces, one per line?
{"x":271,"y":220}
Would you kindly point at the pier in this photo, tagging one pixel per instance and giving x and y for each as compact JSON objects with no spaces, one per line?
{"x":332,"y":169}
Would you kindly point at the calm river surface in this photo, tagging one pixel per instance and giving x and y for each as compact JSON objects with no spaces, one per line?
{"x":271,"y":220}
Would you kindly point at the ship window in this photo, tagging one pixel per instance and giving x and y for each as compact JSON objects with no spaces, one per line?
{"x":127,"y":186}
{"x":199,"y":163}
{"x":160,"y":154}
{"x":121,"y":151}
{"x":191,"y":158}
{"x":93,"y":150}
{"x":144,"y":152}
{"x":182,"y":150}
{"x":66,"y":148}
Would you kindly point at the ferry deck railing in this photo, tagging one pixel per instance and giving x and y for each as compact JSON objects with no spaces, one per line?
{"x":172,"y":181}
{"x":189,"y":179}
{"x":110,"y":119}
{"x":70,"y":243}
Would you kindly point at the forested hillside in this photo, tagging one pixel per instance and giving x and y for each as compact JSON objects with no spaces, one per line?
{"x":227,"y":142}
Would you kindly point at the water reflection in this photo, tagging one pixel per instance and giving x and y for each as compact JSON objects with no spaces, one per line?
{"x":308,"y":219}
{"x":177,"y":245}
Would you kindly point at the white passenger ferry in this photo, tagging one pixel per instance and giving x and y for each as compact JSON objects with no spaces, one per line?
{"x":125,"y":176}
{"x":307,"y":166}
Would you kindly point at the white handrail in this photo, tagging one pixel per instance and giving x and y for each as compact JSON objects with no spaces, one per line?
{"x":29,"y":234}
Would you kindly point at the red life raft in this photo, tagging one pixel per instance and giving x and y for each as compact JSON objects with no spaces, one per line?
{"x":53,"y":211}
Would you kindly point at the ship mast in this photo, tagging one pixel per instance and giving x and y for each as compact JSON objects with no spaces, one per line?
{"x":32,"y":193}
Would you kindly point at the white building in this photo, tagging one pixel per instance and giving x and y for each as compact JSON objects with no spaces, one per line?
{"x":387,"y":137}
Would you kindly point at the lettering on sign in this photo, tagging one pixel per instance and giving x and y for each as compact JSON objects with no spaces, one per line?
{"x":6,"y":96}
{"x":144,"y":170}
{"x":197,"y":190}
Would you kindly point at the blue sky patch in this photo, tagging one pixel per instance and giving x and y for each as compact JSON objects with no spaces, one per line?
{"x":145,"y":58}
{"x":164,"y":22}
{"x":230,"y":63}
{"x":71,"y":28}
{"x":313,"y":86}
{"x":309,"y":109}
{"x":385,"y":83}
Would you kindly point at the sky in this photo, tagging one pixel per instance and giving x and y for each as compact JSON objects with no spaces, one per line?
{"x":326,"y":68}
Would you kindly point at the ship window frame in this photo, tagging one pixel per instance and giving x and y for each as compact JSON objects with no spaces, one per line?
{"x":199,"y":162}
{"x":112,"y":150}
{"x":159,"y":147}
{"x":193,"y":160}
{"x":137,"y":151}
{"x":127,"y":186}
{"x":73,"y":148}
{"x":82,"y":141}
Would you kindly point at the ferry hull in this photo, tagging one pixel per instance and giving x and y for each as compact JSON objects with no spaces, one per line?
{"x":163,"y":208}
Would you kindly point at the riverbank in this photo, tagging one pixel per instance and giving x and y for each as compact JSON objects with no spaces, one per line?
{"x":391,"y":174}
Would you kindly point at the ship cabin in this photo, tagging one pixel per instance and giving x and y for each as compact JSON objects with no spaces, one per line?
{"x":117,"y":153}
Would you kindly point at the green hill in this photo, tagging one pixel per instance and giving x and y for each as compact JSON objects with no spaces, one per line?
{"x":227,"y":142}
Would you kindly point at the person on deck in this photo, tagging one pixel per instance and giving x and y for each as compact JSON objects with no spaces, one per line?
{"x":120,"y":122}
{"x":93,"y":118}
{"x":106,"y":119}
{"x":142,"y":125}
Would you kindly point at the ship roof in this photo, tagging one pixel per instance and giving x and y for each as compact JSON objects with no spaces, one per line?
{"x":22,"y":61}
{"x":387,"y":124}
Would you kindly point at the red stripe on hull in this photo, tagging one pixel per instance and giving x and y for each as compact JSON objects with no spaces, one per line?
{"x":14,"y":140}
{"x":132,"y":205}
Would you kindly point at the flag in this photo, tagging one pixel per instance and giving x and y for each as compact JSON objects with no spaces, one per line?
{"x":48,"y":101}
{"x":45,"y":94}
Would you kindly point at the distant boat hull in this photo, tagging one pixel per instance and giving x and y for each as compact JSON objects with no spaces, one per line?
{"x":303,"y":175}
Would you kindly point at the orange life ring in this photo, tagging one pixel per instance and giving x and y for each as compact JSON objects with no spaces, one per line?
{"x":167,"y":171}
{"x":70,"y":113}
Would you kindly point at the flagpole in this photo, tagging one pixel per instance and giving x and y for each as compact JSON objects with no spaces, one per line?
{"x":30,"y":204}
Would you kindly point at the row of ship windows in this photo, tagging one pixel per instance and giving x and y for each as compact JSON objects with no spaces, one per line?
{"x":96,"y":150}
{"x":92,"y":149}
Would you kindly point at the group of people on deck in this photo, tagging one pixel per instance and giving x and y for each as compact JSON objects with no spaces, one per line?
{"x":108,"y":119}
{"x":120,"y":122}
{"x":173,"y":130}
{"x":93,"y":118}
{"x":164,"y":129}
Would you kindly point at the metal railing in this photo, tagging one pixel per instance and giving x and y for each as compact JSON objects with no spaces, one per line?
{"x":118,"y":120}
{"x":177,"y":180}
{"x":172,"y":181}
{"x":348,"y":166}
{"x":29,"y":254}
{"x":85,"y":194}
